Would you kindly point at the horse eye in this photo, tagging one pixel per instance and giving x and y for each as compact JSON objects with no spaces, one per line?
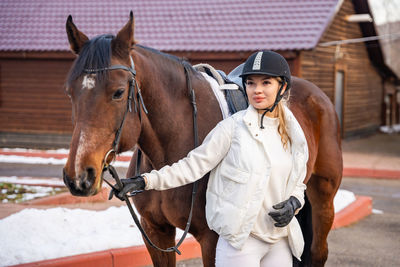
{"x":118,"y":94}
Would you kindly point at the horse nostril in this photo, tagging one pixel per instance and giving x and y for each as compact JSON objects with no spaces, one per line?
{"x":91,"y":173}
{"x":66,"y":178}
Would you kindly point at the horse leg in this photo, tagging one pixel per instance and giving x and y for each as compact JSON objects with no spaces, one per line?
{"x":208,"y":242}
{"x":163,"y":237}
{"x":321,"y":191}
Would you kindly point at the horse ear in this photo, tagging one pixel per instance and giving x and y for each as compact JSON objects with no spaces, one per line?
{"x":125,"y":35}
{"x":75,"y":37}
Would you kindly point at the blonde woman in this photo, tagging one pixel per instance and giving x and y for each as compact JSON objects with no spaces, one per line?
{"x":257,"y":158}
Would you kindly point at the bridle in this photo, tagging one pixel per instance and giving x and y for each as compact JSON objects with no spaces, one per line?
{"x":108,"y":167}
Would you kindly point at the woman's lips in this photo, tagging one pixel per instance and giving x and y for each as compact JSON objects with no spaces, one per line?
{"x":258,"y":99}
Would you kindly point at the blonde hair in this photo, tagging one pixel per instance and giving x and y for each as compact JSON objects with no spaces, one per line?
{"x":282,"y":128}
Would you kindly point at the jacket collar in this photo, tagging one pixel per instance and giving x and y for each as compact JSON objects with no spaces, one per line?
{"x":295,"y":132}
{"x":250,"y":117}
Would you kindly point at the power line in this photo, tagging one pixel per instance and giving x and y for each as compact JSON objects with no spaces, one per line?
{"x":392,"y":36}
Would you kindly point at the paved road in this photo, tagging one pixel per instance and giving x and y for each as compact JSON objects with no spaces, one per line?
{"x":375,"y":240}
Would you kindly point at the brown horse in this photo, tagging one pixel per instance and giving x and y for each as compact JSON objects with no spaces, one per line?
{"x":165,"y":135}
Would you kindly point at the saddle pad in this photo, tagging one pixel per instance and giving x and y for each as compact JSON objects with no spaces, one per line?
{"x":232,"y":92}
{"x":223,"y":104}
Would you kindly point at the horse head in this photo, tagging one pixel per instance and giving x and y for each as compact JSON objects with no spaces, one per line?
{"x":99,"y":97}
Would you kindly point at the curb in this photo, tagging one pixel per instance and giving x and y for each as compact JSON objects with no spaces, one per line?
{"x":49,"y":155}
{"x":67,"y":198}
{"x":357,"y":210}
{"x":138,"y":255}
{"x":120,"y":257}
{"x":371,"y":173}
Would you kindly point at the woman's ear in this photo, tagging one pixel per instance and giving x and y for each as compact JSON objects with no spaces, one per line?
{"x":284,"y":88}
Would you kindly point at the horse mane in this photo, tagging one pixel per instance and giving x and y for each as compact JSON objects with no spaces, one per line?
{"x":178,"y":60}
{"x":95,"y":54}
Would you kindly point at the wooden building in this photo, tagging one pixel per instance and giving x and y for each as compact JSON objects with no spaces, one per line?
{"x":34,"y":61}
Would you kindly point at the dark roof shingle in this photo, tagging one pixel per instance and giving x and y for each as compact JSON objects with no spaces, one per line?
{"x":169,"y":25}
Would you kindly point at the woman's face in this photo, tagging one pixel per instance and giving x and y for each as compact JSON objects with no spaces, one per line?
{"x":261,"y":91}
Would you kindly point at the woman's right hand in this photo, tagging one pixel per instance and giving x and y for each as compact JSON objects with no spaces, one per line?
{"x":132,"y":185}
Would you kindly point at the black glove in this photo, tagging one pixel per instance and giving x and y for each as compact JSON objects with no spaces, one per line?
{"x":134,"y":185}
{"x":285,"y":211}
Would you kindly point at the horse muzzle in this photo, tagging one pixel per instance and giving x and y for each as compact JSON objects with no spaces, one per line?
{"x":83,"y":184}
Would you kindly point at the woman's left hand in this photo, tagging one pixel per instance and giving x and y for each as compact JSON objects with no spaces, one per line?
{"x":285,"y":211}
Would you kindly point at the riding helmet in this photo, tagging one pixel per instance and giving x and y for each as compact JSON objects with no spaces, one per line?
{"x":269,"y":63}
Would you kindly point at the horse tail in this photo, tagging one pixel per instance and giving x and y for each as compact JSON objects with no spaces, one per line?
{"x":305,"y":220}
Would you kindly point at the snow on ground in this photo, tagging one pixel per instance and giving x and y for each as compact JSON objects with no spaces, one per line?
{"x":342,"y":199}
{"x":30,"y":192}
{"x":35,"y":234}
{"x":31,"y":180}
{"x":48,"y":160}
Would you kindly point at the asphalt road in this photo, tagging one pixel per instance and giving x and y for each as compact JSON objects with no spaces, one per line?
{"x":374,"y":241}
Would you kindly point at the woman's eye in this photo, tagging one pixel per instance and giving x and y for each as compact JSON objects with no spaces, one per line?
{"x":266,"y":82}
{"x":118,"y":94}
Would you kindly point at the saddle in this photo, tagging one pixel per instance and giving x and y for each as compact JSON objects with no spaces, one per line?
{"x":230,"y":85}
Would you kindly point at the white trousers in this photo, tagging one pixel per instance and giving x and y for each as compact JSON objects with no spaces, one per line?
{"x":254,"y":253}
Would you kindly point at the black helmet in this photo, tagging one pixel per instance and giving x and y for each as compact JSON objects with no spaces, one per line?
{"x":269,"y":63}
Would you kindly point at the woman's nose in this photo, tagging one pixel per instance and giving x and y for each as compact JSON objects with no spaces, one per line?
{"x":258,"y":89}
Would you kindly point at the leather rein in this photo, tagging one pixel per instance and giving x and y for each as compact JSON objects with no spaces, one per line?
{"x":108,"y":167}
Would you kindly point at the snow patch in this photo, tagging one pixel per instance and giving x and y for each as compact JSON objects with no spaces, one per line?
{"x":33,"y":235}
{"x":342,"y":199}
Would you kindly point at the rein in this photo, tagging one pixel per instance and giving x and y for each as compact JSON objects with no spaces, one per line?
{"x":108,"y":167}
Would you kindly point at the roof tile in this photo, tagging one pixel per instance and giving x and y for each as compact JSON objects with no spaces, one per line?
{"x":169,"y":25}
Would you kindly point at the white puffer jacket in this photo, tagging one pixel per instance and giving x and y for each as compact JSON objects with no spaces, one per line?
{"x":236,"y":156}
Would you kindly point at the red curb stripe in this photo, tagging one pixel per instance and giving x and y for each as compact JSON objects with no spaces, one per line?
{"x":354,"y":212}
{"x":121,"y":257}
{"x":371,"y":173}
{"x":49,"y":155}
{"x":34,"y":154}
{"x":67,"y":198}
{"x":95,"y":259}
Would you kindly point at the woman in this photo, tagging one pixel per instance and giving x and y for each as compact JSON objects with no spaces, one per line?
{"x":257,"y":158}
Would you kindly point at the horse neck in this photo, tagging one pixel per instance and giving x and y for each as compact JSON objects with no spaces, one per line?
{"x":167,"y":130}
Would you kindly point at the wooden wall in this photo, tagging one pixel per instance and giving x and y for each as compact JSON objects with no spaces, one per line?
{"x":363,"y":86}
{"x":32,"y":98}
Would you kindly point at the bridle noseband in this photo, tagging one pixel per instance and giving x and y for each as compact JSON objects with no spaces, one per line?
{"x":108,"y":167}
